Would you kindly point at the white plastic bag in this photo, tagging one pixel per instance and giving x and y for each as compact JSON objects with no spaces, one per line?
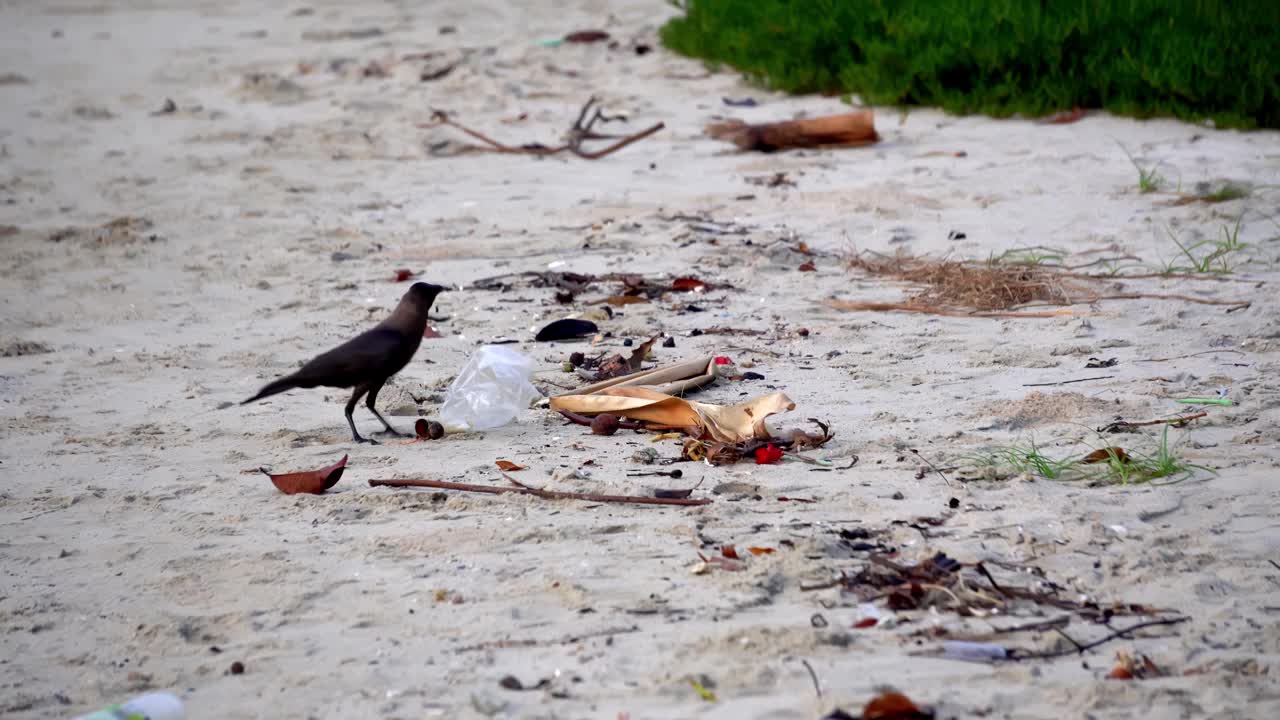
{"x":492,"y":389}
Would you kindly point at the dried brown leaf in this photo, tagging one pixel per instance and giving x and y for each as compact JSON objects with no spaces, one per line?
{"x":314,"y":482}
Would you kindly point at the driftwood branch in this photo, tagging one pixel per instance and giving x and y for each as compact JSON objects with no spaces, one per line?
{"x":580,"y":132}
{"x":522,"y":489}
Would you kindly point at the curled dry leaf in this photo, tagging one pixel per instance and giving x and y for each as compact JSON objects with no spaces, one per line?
{"x":866,"y":622}
{"x":402,"y":274}
{"x":894,"y":706}
{"x":730,"y":552}
{"x":1106,"y":455}
{"x":508,"y":466}
{"x":430,"y":332}
{"x":688,"y":284}
{"x":313,"y":481}
{"x":808,"y":267}
{"x":762,"y":550}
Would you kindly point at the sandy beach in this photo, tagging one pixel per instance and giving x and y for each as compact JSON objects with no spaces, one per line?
{"x":195,"y":198}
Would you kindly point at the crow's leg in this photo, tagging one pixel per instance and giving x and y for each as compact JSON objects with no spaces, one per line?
{"x":369,"y":403}
{"x":351,"y":408}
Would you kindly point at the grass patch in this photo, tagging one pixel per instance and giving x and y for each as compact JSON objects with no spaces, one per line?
{"x":1193,"y":60}
{"x":1149,"y":178}
{"x":1206,"y":256}
{"x":1162,"y":465}
{"x":1226,"y":193}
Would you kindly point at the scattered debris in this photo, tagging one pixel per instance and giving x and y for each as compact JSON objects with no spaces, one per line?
{"x":726,"y":424}
{"x":778,"y":179}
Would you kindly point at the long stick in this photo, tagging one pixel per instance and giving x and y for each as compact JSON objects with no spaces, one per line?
{"x":1068,"y":382}
{"x":545,"y":494}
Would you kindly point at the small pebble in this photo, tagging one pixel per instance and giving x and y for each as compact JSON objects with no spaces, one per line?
{"x":898,"y":496}
{"x":669,"y":342}
{"x":237,"y":668}
{"x":752,"y":376}
{"x":626,"y":343}
{"x":953,"y":503}
{"x":803,"y":332}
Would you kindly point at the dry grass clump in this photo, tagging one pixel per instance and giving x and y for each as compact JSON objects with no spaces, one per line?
{"x":958,"y":285}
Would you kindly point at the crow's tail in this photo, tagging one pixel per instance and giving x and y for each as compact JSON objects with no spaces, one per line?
{"x":285,"y":383}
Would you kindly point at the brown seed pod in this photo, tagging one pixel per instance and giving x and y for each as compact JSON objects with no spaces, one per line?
{"x":604,"y":424}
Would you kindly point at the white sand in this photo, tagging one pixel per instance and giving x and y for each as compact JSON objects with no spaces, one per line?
{"x":136,"y":532}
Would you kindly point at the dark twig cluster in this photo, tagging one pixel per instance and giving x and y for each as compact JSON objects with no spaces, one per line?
{"x":581,"y":131}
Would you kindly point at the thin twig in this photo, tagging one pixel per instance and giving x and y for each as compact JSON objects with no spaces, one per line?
{"x":817,"y":687}
{"x":1068,"y":382}
{"x":545,"y":494}
{"x":1180,"y":357}
{"x":890,"y":307}
{"x":926,"y":462}
{"x":580,"y":131}
{"x":569,"y":640}
{"x":1179,"y":421}
{"x":1158,"y":296}
{"x":1081,"y":649}
{"x":1166,"y":276}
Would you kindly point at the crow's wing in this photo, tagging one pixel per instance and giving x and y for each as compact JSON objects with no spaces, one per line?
{"x":366,"y":357}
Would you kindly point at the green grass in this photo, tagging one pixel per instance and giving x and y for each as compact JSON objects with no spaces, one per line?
{"x":1229,"y":191}
{"x":1162,"y":465}
{"x":1206,"y":256}
{"x":1191,"y":59}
